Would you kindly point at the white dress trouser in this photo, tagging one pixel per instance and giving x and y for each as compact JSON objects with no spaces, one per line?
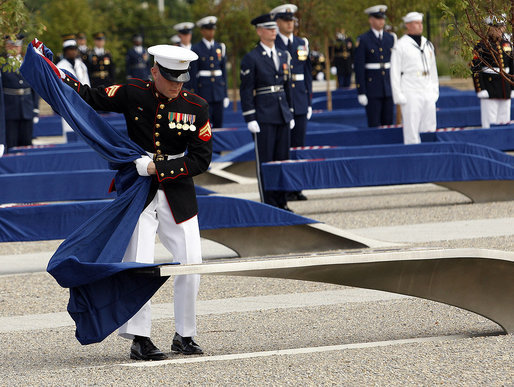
{"x":494,"y":111}
{"x":418,"y":115}
{"x":183,"y":241}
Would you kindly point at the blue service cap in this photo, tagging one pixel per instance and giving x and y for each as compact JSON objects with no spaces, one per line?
{"x":377,"y":11}
{"x":284,"y":12}
{"x":264,"y":21}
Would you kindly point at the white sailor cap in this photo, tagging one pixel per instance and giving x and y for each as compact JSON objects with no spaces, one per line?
{"x":412,"y":16}
{"x":377,"y":11}
{"x":175,"y":39}
{"x":184,"y":27}
{"x":69,"y":43}
{"x":173,"y":61}
{"x":208,"y":22}
{"x":285,"y":11}
{"x":496,"y":21}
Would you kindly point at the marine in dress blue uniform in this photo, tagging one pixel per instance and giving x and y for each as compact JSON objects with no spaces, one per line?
{"x":21,"y":103}
{"x":341,"y":57}
{"x":137,"y":60}
{"x":100,"y":64}
{"x":208,"y":74}
{"x":172,"y":126}
{"x":372,"y":69}
{"x":301,"y":75}
{"x":266,"y":102}
{"x":185,"y":33}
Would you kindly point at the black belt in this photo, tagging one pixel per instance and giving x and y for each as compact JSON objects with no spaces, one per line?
{"x":269,"y":89}
{"x":25,"y":91}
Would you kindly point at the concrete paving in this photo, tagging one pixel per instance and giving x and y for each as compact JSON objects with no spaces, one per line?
{"x":281,"y":332}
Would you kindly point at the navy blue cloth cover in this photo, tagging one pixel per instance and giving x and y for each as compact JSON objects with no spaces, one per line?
{"x":104,"y":293}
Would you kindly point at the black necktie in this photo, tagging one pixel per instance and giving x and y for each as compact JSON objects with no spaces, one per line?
{"x":273,"y":60}
{"x":289,"y":47}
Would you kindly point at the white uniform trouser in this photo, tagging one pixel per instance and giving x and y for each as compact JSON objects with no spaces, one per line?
{"x":418,"y":115}
{"x":494,"y":111}
{"x":183,"y":241}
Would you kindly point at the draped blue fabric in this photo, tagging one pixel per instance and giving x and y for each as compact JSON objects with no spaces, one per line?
{"x":104,"y":293}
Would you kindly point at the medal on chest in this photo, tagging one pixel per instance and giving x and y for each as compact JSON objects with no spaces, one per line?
{"x":181,"y":121}
{"x":301,"y":51}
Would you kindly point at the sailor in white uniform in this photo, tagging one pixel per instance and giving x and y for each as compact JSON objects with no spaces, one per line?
{"x":414,"y":80}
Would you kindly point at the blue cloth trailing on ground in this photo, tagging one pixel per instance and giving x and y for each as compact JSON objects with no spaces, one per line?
{"x":104,"y":293}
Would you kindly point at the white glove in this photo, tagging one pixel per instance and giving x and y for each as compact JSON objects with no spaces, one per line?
{"x":512,"y":94}
{"x":363,"y":100}
{"x":309,"y":112}
{"x":2,"y":147}
{"x":35,"y":119}
{"x":142,"y":165}
{"x":320,"y":76}
{"x":483,"y":94}
{"x":333,"y":70}
{"x":291,"y":124}
{"x":226,"y":102}
{"x":253,"y":126}
{"x":401,"y":100}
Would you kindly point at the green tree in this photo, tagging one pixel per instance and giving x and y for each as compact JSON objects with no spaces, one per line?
{"x":15,"y":18}
{"x":466,"y":26}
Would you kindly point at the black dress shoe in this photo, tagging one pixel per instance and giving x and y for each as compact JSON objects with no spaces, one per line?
{"x":295,"y":196}
{"x":143,"y":349}
{"x":300,"y":196}
{"x":185,"y":345}
{"x":285,"y":208}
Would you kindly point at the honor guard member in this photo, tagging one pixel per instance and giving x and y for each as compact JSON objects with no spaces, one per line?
{"x":100,"y":65}
{"x":137,"y":60}
{"x":266,"y":102}
{"x":494,"y":91}
{"x":208,"y":74}
{"x":185,"y":33}
{"x":175,"y":40}
{"x":172,"y":126}
{"x":341,"y":57}
{"x":82,"y":46}
{"x":301,"y":76}
{"x":372,"y":67}
{"x":414,"y":80}
{"x":72,"y":63}
{"x":21,"y":103}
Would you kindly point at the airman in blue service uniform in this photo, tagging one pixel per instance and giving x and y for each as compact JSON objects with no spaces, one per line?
{"x":208,"y":74}
{"x":137,"y":60}
{"x":100,"y":64}
{"x":301,"y":75}
{"x":185,"y":33}
{"x":21,"y":103}
{"x":266,"y":101}
{"x":172,"y":126}
{"x":372,"y":69}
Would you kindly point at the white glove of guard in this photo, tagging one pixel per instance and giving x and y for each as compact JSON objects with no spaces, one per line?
{"x":142,"y":165}
{"x":333,"y":70}
{"x":226,"y":102}
{"x":512,"y":94}
{"x":309,"y":112}
{"x":363,"y":99}
{"x":483,"y":94}
{"x":401,"y":100}
{"x":35,"y":120}
{"x":253,"y":126}
{"x":291,"y":124}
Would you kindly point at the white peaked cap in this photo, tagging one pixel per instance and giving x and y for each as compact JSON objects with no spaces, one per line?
{"x":184,"y":26}
{"x":207,"y":20}
{"x":172,"y":57}
{"x":413,"y":16}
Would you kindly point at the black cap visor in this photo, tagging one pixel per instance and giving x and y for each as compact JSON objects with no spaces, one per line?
{"x":174,"y":75}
